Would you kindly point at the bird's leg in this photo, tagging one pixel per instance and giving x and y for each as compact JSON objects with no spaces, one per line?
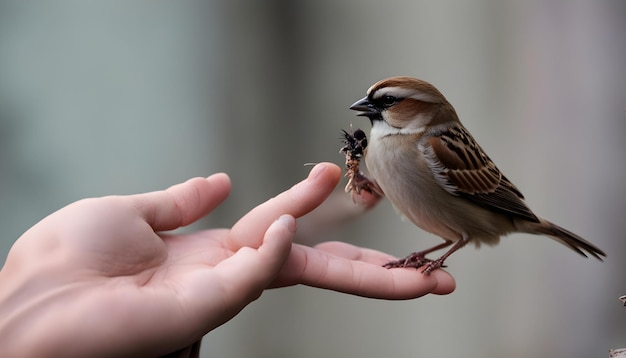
{"x":433,"y":265}
{"x":417,"y":259}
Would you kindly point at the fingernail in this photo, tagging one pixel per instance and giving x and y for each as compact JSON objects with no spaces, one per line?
{"x":316,"y":171}
{"x":288,"y":221}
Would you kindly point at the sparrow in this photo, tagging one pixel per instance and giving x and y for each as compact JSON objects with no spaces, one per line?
{"x":435,"y":174}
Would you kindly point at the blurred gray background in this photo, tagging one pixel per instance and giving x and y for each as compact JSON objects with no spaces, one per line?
{"x":120,"y":97}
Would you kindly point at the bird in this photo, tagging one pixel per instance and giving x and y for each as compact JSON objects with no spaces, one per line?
{"x":435,"y":174}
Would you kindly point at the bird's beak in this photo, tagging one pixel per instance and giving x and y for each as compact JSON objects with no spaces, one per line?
{"x":366,"y":108}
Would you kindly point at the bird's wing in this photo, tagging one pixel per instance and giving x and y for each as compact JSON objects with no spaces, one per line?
{"x":462,"y":168}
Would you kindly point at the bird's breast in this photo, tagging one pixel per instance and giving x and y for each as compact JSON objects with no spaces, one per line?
{"x":399,"y":167}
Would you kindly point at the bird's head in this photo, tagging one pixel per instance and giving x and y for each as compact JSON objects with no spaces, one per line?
{"x":404,"y":103}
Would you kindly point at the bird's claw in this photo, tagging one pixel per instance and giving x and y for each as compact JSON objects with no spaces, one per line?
{"x":416,"y":260}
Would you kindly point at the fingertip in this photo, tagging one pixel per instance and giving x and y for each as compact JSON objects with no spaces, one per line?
{"x":221,"y":177}
{"x":324,"y":168}
{"x":281,"y":231}
{"x":445,"y":282}
{"x":287,"y":221}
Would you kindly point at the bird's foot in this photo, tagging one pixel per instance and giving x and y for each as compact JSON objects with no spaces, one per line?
{"x":416,"y":260}
{"x":432,"y":266}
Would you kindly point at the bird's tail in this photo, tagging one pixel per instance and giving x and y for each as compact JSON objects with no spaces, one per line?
{"x":564,"y":236}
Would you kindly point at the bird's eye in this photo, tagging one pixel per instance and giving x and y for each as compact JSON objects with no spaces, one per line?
{"x":388,"y":100}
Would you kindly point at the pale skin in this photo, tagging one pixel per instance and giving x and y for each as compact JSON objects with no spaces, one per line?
{"x":102,"y":277}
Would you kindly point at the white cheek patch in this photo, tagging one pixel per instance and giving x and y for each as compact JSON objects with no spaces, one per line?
{"x":418,"y":124}
{"x":382,"y":129}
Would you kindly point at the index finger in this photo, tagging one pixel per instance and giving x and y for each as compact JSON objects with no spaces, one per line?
{"x":296,"y":201}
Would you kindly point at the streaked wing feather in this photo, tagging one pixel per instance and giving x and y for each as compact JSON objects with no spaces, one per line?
{"x":503,"y":200}
{"x":462,"y":168}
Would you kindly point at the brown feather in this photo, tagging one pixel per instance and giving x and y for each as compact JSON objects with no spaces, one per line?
{"x":472,"y":174}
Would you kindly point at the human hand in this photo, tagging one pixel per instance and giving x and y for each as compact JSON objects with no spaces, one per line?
{"x":99,"y":278}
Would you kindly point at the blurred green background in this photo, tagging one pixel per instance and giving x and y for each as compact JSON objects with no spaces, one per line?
{"x":120,"y":97}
